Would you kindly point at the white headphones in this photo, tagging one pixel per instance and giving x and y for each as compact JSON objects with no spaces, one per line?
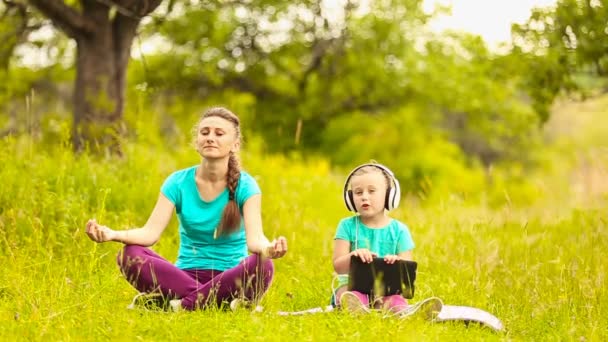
{"x":393,"y":193}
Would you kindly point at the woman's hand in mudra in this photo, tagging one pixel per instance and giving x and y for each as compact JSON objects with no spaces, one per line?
{"x":276,"y":249}
{"x":99,"y":233}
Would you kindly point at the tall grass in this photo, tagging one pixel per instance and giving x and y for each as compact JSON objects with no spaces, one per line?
{"x":541,"y":268}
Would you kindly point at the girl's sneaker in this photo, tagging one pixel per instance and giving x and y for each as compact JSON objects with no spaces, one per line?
{"x":431,"y":307}
{"x":394,"y":304}
{"x":355,"y":302}
{"x":428,"y":308}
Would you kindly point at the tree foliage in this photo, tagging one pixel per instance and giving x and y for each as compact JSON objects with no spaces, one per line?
{"x":312,"y":71}
{"x":103,"y":31}
{"x":354,"y":80}
{"x":562,"y":46}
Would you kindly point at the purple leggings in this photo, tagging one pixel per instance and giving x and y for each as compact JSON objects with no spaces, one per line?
{"x":149,"y":272}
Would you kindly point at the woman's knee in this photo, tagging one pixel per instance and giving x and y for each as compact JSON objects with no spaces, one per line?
{"x":257,"y":264}
{"x":129,"y":252}
{"x":265,"y":263}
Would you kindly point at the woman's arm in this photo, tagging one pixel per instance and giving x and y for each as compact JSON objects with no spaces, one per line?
{"x":144,"y":236}
{"x":256,"y":240}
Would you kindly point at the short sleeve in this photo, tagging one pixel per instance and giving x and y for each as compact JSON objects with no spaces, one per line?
{"x":170,"y":189}
{"x":246,"y":188}
{"x":343,"y":232}
{"x":405,"y":242}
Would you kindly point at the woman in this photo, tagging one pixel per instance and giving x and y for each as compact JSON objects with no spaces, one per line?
{"x":219,"y":211}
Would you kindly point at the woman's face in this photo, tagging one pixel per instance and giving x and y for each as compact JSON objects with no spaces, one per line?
{"x":216,"y":138}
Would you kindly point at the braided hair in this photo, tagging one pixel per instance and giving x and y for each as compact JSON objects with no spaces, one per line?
{"x":231,"y":217}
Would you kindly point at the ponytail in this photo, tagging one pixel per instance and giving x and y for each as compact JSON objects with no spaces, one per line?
{"x":231,"y":218}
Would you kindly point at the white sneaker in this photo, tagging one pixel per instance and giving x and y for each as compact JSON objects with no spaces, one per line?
{"x":176,"y":305}
{"x":429,"y":308}
{"x":237,"y":303}
{"x":153,"y":301}
{"x":354,"y":302}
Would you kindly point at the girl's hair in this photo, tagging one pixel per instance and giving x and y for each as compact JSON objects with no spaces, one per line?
{"x":369,"y":169}
{"x":231,"y":218}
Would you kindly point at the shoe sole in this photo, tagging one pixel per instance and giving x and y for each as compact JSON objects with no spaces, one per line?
{"x":351,"y":303}
{"x":429,"y":308}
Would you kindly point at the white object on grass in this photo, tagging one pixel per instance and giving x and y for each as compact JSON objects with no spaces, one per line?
{"x":319,"y":309}
{"x":468,"y":314}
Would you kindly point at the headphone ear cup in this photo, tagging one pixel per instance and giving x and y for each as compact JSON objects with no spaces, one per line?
{"x":350,"y":201}
{"x":388,"y":200}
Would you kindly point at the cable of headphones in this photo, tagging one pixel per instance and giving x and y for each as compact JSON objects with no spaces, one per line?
{"x":357,"y":219}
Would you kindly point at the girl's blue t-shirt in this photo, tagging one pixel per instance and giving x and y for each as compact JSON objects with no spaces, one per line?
{"x":392,"y":239}
{"x":198,"y":220}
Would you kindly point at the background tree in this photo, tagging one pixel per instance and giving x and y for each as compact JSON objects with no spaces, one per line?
{"x":14,"y":29}
{"x":103,"y":31}
{"x":351,"y":80}
{"x":332,"y":80}
{"x":563,"y":48}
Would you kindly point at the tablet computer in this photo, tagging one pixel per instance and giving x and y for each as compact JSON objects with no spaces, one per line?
{"x":381,"y":279}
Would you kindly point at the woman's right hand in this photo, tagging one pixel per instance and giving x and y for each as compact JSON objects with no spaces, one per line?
{"x":365,"y":254}
{"x":99,"y":233}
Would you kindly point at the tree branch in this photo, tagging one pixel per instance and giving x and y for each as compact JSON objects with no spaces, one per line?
{"x":136,"y":9}
{"x":120,"y":8}
{"x":125,"y":25}
{"x":14,"y":4}
{"x":261,"y":91}
{"x":14,"y":15}
{"x":65,"y":17}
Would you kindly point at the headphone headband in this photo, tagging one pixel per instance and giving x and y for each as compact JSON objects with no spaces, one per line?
{"x":393,"y":194}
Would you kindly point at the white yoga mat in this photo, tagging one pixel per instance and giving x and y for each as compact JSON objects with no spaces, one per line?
{"x":432,"y":309}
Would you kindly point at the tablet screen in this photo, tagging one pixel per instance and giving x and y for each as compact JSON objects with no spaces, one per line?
{"x":381,"y":279}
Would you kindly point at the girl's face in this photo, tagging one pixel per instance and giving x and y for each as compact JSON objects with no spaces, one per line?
{"x":369,"y":193}
{"x":216,"y":138}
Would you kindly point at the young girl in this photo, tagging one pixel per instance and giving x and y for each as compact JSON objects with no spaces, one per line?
{"x":218,"y":206}
{"x":370,"y":190}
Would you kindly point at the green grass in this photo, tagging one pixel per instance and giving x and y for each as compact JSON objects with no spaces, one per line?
{"x":540,"y":268}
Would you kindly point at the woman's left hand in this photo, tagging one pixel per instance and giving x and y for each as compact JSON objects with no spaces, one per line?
{"x":277,"y":248}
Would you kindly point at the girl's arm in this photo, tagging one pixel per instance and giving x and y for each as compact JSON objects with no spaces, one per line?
{"x":342,"y":255}
{"x":407,"y":255}
{"x":391,"y":258}
{"x":257,"y":242}
{"x":144,"y":236}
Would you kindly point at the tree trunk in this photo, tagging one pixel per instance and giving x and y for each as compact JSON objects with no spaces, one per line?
{"x":101,"y":67}
{"x":104,"y":31}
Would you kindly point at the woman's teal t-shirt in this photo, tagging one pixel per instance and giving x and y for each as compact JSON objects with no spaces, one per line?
{"x":198,"y":220}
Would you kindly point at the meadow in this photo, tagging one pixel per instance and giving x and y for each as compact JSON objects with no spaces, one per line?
{"x":540,"y":265}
